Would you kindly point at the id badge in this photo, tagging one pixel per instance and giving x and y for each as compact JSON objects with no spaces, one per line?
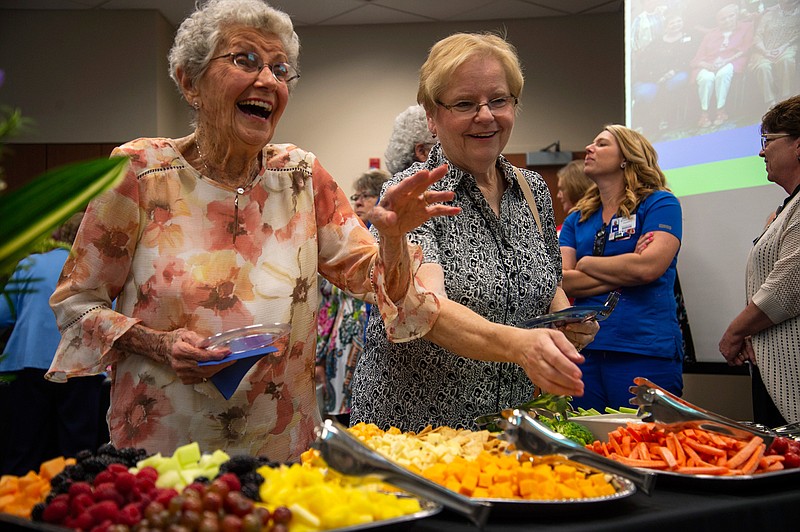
{"x":622,"y":228}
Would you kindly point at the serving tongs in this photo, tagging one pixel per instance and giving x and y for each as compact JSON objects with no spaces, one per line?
{"x":531,"y":436}
{"x":658,"y":405}
{"x":346,"y":454}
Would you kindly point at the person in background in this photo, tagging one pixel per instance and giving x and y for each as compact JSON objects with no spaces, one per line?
{"x":342,"y":319}
{"x":663,"y":77}
{"x":492,"y":267}
{"x":219,"y":230}
{"x":42,"y":419}
{"x":766,"y":333}
{"x":722,"y":54}
{"x":774,"y":57}
{"x":411,"y":140}
{"x":641,"y":338}
{"x":572,"y":185}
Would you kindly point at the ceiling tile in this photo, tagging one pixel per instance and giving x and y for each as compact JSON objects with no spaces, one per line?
{"x":374,"y":14}
{"x":436,"y":10}
{"x":504,"y":9}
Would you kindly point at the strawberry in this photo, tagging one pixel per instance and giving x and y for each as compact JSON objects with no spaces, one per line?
{"x":148,"y":472}
{"x":116,"y":469}
{"x":82,"y":521}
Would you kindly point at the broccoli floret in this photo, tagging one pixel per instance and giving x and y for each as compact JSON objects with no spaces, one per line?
{"x":574,"y":431}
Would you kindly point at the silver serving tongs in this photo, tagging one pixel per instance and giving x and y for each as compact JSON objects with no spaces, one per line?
{"x":658,"y":405}
{"x":346,"y":454}
{"x":529,"y":435}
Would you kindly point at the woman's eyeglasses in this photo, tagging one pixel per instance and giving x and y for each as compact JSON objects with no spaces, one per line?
{"x":766,"y":138}
{"x":495,"y":105}
{"x":251,"y":63}
{"x":599,"y":241}
{"x":362,"y":195}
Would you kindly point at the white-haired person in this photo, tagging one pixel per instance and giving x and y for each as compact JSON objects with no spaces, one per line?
{"x":223,"y":229}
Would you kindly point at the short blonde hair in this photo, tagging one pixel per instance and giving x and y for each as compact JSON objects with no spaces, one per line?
{"x":451,"y":52}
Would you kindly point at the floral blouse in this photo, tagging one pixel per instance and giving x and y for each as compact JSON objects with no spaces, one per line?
{"x":502,"y":268}
{"x":175,"y":249}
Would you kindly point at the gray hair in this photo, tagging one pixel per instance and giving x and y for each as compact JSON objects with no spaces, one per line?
{"x":199,"y":34}
{"x":410,"y":129}
{"x":372,"y":181}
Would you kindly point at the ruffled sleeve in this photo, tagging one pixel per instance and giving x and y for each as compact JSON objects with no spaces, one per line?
{"x":349,"y":258}
{"x":91,"y":280}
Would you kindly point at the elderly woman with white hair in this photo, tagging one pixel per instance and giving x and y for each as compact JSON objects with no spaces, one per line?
{"x":411,"y":141}
{"x":219,"y":230}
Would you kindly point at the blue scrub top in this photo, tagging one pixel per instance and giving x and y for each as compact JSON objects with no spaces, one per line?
{"x":645,"y":319}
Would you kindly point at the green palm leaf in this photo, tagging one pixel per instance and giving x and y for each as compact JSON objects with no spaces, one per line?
{"x":35,"y":210}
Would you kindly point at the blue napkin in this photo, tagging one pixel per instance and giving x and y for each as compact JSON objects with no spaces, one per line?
{"x":228,"y":379}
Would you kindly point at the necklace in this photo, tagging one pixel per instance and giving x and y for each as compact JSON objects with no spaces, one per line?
{"x":239,"y":189}
{"x":200,"y":153}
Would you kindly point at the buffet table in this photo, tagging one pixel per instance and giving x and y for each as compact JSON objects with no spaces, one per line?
{"x":670,"y":508}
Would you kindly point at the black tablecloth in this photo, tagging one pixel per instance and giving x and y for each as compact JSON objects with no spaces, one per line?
{"x":760,"y":507}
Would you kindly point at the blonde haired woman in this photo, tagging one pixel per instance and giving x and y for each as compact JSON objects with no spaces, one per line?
{"x":599,"y":254}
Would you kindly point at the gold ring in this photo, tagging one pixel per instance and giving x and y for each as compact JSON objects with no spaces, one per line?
{"x":205,"y":380}
{"x":425,"y":198}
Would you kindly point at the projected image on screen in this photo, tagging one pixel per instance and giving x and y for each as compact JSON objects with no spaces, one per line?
{"x":701,"y":74}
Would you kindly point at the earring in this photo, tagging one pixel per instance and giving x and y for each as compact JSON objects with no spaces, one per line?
{"x":433,"y":135}
{"x":623,"y":164}
{"x":196,"y":105}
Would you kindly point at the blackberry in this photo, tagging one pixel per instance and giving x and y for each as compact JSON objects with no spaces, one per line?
{"x":251,"y":491}
{"x":93,"y":465}
{"x":37,"y":511}
{"x":203,"y":480}
{"x":107,"y":448}
{"x":239,"y":465}
{"x":83,"y":455}
{"x":251,"y":477}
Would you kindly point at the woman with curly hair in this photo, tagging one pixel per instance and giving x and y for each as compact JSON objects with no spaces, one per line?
{"x":410,"y":141}
{"x":629,"y":199}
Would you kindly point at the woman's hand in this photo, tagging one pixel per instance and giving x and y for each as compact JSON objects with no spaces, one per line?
{"x":184,"y":355}
{"x":732,"y":347}
{"x":643,"y":242}
{"x":409,"y":204}
{"x":580,"y":334}
{"x":549,"y":360}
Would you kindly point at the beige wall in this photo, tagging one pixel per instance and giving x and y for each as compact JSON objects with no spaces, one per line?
{"x":101,"y":76}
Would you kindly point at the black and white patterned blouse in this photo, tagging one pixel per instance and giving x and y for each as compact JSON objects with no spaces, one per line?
{"x":501,"y":268}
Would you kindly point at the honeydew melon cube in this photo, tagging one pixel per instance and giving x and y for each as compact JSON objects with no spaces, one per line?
{"x":167,"y":464}
{"x":169,"y":479}
{"x":219,"y":456}
{"x":189,"y":474}
{"x":150,"y":461}
{"x":188,"y":454}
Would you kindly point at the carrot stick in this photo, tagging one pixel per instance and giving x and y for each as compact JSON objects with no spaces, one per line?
{"x":680,"y":456}
{"x":742,"y":456}
{"x":668,"y":457}
{"x":626,"y":445}
{"x":750,"y":466}
{"x":705,"y":449}
{"x":644,"y":453}
{"x":652,"y":464}
{"x":714,"y":470}
{"x":692,"y":454}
